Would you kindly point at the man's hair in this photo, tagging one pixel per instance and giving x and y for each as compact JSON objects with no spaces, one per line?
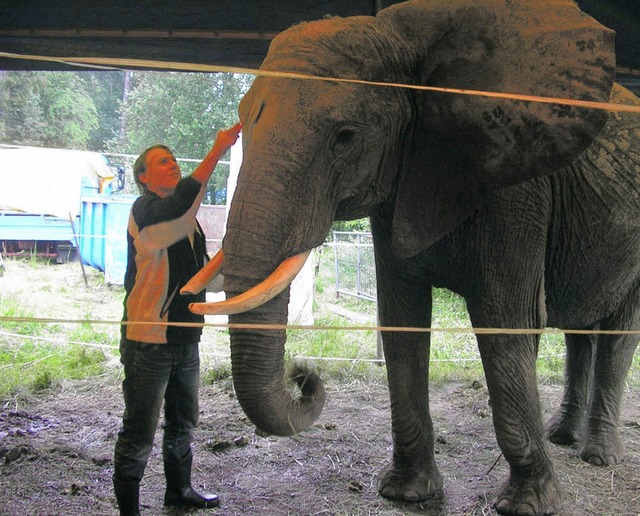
{"x":140,"y":166}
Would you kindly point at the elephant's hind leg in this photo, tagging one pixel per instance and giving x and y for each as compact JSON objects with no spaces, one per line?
{"x":566,"y":426}
{"x":602,"y":445}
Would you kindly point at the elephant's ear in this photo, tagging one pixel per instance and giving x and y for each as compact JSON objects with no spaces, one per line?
{"x":465,"y":146}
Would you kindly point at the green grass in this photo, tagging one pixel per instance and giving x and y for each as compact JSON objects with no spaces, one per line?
{"x":215,"y":371}
{"x":34,"y":365}
{"x":454,"y":355}
{"x":36,"y":356}
{"x":12,"y":307}
{"x":343,"y":354}
{"x":85,"y":333}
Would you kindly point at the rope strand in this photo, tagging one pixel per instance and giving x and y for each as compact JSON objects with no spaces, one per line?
{"x":107,"y":63}
{"x":248,"y":326}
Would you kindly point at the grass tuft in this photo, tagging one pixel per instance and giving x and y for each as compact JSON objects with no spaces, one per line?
{"x":35,"y":356}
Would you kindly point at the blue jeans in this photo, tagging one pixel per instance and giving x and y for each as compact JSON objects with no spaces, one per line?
{"x":155,"y":373}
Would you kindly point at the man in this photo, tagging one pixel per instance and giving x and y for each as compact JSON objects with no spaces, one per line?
{"x":166,"y":247}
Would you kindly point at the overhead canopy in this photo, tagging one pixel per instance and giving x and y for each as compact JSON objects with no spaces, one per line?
{"x":219,"y":32}
{"x":211,"y":32}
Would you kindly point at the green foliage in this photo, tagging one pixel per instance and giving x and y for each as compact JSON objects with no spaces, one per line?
{"x":183,"y":111}
{"x":12,"y":307}
{"x":358,"y":347}
{"x":37,"y":364}
{"x":454,"y":355}
{"x":362,"y":225}
{"x":107,"y":89}
{"x":216,"y":372}
{"x":87,"y":333}
{"x":122,"y":113}
{"x":69,"y":109}
{"x":454,"y":351}
{"x":46,"y":109}
{"x":23,"y":117}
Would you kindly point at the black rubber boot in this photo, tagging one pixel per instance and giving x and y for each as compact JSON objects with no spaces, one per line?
{"x":179,"y":491}
{"x":128,"y":496}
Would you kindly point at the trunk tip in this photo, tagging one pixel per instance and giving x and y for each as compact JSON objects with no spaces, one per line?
{"x":309,"y":383}
{"x":284,"y":414}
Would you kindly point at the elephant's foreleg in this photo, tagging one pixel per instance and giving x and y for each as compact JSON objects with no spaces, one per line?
{"x":509,"y":364}
{"x":403,"y":301}
{"x":566,"y":426}
{"x":413,"y":474}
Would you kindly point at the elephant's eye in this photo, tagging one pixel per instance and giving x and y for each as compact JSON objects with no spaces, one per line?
{"x":344,"y":137}
{"x":260,"y":110}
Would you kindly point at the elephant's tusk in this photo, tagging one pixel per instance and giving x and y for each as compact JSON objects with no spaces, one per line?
{"x":205,"y":276}
{"x":258,"y":295}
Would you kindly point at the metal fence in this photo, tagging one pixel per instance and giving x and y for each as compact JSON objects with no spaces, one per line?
{"x":354,"y":264}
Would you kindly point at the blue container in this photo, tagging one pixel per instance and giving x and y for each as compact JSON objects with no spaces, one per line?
{"x":103,"y":235}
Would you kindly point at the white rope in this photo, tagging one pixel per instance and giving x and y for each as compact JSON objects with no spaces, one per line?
{"x":382,"y":361}
{"x":110,"y":63}
{"x":109,"y":347}
{"x":115,"y":63}
{"x":400,"y":329}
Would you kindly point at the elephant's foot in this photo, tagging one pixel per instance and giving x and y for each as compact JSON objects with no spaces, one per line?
{"x":603,"y":447}
{"x":563,"y":429}
{"x":527,"y":494}
{"x":410,"y":485}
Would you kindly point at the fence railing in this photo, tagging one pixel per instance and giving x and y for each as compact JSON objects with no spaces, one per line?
{"x":354,"y":264}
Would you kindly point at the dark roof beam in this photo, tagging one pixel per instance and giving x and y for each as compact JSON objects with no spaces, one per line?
{"x":138,"y":33}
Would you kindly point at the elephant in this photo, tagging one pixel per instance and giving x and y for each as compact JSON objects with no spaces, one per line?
{"x":529,"y":209}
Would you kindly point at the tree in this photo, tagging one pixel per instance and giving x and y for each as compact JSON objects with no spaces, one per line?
{"x":107,"y":90}
{"x":183,"y":111}
{"x":123,"y":113}
{"x":358,"y":225}
{"x":47,"y":109}
{"x":23,"y":118}
{"x":69,"y":111}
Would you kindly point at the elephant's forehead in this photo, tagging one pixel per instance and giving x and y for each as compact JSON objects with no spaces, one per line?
{"x":311,"y":102}
{"x":325,"y":47}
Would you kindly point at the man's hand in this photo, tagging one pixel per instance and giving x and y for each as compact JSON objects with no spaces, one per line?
{"x":227,"y":137}
{"x":224,"y":139}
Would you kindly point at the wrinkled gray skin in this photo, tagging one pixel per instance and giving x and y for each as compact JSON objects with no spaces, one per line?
{"x":530,"y":211}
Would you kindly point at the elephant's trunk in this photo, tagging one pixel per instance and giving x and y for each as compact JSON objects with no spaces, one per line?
{"x":258,"y":367}
{"x":252,"y":254}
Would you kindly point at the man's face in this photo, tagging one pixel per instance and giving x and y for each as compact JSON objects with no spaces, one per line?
{"x":162,"y":173}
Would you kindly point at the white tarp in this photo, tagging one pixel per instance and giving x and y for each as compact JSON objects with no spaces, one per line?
{"x":47,"y":181}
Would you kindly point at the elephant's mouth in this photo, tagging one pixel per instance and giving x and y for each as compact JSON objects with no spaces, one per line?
{"x":279,"y":279}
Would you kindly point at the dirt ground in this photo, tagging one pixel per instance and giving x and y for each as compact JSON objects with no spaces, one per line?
{"x":56,"y":452}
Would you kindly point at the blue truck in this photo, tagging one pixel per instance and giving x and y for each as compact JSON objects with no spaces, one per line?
{"x":43,"y":194}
